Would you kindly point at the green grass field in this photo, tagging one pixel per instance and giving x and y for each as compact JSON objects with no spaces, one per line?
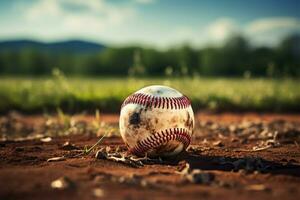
{"x":80,"y":94}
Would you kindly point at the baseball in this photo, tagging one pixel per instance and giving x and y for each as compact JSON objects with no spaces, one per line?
{"x":156,"y":121}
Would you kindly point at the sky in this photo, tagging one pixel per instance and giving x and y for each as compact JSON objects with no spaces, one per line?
{"x":159,"y":23}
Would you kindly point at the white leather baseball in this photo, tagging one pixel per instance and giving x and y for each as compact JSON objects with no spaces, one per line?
{"x":156,"y":121}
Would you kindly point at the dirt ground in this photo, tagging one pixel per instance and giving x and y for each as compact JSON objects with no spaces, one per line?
{"x":232,"y":156}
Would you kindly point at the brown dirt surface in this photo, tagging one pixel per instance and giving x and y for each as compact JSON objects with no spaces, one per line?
{"x":232,"y":156}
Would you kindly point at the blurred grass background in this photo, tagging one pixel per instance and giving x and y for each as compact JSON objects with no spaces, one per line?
{"x":107,"y":93}
{"x":78,"y":56}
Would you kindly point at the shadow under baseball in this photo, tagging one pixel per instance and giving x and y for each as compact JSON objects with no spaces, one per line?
{"x":246,"y":164}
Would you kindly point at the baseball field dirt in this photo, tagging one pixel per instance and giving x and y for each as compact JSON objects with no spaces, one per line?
{"x":232,"y":156}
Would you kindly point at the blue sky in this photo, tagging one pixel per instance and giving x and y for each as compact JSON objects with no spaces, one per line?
{"x":160,"y":23}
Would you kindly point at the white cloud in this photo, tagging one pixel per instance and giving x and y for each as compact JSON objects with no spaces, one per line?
{"x":43,"y":8}
{"x":264,"y":31}
{"x":270,"y":24}
{"x":103,"y":21}
{"x":145,"y":1}
{"x":92,"y":18}
{"x":215,"y":33}
{"x":270,"y":31}
{"x":221,"y":29}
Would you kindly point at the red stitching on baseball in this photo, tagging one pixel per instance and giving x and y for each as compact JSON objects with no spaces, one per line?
{"x":167,"y":101}
{"x":175,"y":103}
{"x":158,"y":102}
{"x":159,"y":138}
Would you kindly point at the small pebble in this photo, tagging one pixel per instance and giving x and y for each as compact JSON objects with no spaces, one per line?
{"x":98,"y":192}
{"x":62,"y":183}
{"x":256,"y":187}
{"x":46,"y":139}
{"x":68,"y":146}
{"x":218,"y":143}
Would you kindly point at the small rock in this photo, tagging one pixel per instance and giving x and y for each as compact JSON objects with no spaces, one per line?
{"x":144,"y":183}
{"x":98,"y":192}
{"x":232,"y":128}
{"x":256,"y":187}
{"x":62,"y":183}
{"x":46,"y":139}
{"x":196,"y":175}
{"x":234,"y":140}
{"x":218,"y":143}
{"x":68,"y":146}
{"x":226,"y":184}
{"x":214,"y":126}
{"x":99,"y":178}
{"x":101,"y":155}
{"x":200,"y":177}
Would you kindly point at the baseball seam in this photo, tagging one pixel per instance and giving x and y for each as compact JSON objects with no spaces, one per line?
{"x":157,"y":102}
{"x":162,"y":137}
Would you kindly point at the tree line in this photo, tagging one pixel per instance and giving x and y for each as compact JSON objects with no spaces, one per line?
{"x":235,"y":58}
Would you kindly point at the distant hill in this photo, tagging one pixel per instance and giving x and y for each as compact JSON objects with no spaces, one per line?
{"x":70,"y":46}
